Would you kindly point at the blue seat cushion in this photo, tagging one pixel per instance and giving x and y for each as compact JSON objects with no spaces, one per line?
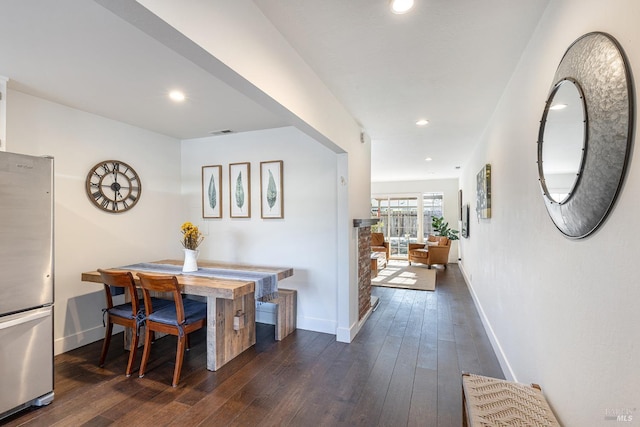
{"x":125,"y":310}
{"x":193,"y":311}
{"x":122,"y":310}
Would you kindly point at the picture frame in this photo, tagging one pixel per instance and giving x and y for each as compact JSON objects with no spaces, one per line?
{"x":483,"y":202}
{"x":271,"y":189}
{"x":465,"y":221}
{"x":240,"y":190}
{"x":211,"y":191}
{"x":460,"y":206}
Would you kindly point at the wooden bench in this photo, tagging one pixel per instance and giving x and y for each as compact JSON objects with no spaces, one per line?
{"x":286,"y":312}
{"x":378,"y":262}
{"x":491,"y":401}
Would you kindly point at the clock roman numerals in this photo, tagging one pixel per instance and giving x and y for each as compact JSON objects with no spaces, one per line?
{"x":113,"y":186}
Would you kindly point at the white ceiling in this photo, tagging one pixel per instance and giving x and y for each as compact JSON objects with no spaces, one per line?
{"x":77,"y":53}
{"x":447,"y":60}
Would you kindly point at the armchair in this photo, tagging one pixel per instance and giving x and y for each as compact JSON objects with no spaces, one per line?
{"x":379,"y":245}
{"x":435,"y":251}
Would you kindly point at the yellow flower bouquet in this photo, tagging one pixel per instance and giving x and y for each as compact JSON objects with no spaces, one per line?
{"x":191,"y":236}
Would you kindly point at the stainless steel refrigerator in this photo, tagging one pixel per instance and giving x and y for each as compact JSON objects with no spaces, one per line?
{"x":26,"y":281}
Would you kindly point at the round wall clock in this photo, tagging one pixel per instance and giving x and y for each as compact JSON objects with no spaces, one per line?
{"x":113,"y":186}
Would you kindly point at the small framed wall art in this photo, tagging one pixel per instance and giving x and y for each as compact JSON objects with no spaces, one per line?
{"x":465,"y":221}
{"x":483,"y":202}
{"x":211,"y":194}
{"x":271,"y":189}
{"x":240,"y":190}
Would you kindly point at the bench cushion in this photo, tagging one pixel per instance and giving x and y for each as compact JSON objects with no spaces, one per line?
{"x":492,"y":401}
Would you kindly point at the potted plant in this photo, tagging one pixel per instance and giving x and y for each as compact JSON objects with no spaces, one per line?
{"x":378,"y":227}
{"x":441,"y":227}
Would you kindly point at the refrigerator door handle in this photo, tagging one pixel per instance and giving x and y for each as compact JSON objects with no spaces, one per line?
{"x":25,"y":319}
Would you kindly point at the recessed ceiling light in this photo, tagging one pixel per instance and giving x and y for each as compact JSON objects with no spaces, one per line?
{"x":422,"y":122}
{"x":177,"y":96}
{"x":401,"y":6}
{"x":428,"y":159}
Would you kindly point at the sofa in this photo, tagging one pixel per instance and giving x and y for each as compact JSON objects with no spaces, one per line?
{"x":434,"y":251}
{"x":379,"y":245}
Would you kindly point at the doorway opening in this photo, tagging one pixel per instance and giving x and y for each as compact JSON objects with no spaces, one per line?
{"x":405,"y":219}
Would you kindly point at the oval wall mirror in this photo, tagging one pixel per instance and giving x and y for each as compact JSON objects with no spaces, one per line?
{"x":582,"y":160}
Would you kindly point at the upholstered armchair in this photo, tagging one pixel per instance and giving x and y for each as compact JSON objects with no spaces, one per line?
{"x":379,"y":245}
{"x":434,"y":251}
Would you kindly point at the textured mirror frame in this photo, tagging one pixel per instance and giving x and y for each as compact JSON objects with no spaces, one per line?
{"x":597,"y":63}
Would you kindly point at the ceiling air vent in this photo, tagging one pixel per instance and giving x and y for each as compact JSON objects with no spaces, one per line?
{"x":220,"y":132}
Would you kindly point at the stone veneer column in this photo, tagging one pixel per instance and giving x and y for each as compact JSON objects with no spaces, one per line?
{"x":364,"y":271}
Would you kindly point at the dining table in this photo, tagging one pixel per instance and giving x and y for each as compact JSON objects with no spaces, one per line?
{"x":230,"y":291}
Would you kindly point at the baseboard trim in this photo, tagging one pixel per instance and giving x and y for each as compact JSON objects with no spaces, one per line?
{"x":70,"y":342}
{"x":493,"y":339}
{"x":345,"y":335}
{"x":316,"y":325}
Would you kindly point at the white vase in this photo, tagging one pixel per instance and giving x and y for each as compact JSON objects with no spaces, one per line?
{"x":190,"y":260}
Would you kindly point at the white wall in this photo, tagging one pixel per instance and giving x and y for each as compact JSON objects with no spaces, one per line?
{"x":86,"y":237}
{"x":449,"y":188}
{"x":306,"y":239}
{"x":562,"y":313}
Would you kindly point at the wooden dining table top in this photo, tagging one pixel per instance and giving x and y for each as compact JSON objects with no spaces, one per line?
{"x":206,"y":286}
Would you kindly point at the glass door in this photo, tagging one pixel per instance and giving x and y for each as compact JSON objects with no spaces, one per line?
{"x":399,"y":222}
{"x":432,"y":207}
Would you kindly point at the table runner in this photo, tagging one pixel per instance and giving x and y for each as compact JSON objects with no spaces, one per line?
{"x":266,"y":282}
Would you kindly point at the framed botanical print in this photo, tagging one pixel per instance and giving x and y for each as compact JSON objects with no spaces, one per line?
{"x":271,"y":189}
{"x":240,"y":190}
{"x":211,"y":194}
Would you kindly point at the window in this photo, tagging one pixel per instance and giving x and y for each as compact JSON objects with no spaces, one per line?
{"x":432,"y":206}
{"x":403,"y":219}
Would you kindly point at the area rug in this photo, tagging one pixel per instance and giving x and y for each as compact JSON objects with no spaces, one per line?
{"x":399,"y":274}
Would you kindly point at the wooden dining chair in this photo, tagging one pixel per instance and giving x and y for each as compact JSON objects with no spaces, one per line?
{"x":179,"y":319}
{"x":129,"y":314}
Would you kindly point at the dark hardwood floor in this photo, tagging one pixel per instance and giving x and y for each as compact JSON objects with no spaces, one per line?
{"x":403,"y":369}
